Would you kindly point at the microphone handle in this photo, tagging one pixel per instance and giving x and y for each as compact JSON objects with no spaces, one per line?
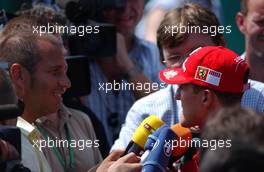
{"x":9,"y":111}
{"x":133,"y":147}
{"x":144,"y":157}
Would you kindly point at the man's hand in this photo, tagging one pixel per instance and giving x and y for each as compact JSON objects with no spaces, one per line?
{"x":7,"y":151}
{"x":121,"y":65}
{"x":116,"y":67}
{"x":109,"y":160}
{"x":124,"y":63}
{"x":128,"y":163}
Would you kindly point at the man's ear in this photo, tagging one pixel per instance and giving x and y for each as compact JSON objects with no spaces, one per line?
{"x":207,"y":98}
{"x":240,"y":20}
{"x":18,"y":77}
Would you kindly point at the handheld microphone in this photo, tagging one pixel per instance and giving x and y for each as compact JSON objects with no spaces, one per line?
{"x":180,"y":145}
{"x":160,"y":154}
{"x":152,"y":138}
{"x":9,"y":111}
{"x":139,"y":138}
{"x":182,"y":148}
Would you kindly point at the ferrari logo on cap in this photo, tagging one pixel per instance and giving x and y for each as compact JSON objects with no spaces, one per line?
{"x":202,"y":73}
{"x":208,"y":75}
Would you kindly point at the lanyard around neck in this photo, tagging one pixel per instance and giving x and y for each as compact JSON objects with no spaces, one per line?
{"x":56,"y":151}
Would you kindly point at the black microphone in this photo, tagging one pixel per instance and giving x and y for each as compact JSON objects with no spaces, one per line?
{"x":11,"y":111}
{"x":8,"y":111}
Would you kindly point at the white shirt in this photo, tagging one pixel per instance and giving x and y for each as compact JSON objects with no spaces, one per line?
{"x":32,"y":157}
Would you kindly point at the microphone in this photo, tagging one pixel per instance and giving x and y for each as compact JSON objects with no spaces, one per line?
{"x":182,"y":148}
{"x":184,"y":136}
{"x":152,"y":138}
{"x":158,"y":158}
{"x":9,"y":111}
{"x":148,"y":126}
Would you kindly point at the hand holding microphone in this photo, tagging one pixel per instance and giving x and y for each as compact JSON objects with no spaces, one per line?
{"x":148,"y":126}
{"x":127,"y":163}
{"x":114,"y":163}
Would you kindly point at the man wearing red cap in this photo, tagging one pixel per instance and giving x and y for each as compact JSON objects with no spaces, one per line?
{"x":211,"y":78}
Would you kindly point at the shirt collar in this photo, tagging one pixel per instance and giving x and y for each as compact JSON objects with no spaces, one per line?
{"x":21,"y":123}
{"x":243,"y":56}
{"x":64,"y":116}
{"x":28,"y":130}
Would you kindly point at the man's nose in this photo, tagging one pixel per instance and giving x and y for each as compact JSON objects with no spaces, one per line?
{"x":65,"y":82}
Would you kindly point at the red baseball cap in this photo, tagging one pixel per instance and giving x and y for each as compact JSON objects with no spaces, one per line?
{"x":214,"y":67}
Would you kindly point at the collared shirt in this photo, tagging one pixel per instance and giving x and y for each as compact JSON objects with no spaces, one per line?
{"x":109,"y":105}
{"x":253,"y":98}
{"x":163,"y":104}
{"x":32,"y":157}
{"x":83,"y":140}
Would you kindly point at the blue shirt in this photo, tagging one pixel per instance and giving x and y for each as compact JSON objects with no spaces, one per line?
{"x":253,"y":98}
{"x":163,"y":104}
{"x":108,"y":105}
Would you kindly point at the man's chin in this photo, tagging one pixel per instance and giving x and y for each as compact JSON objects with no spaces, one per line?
{"x":257,"y":47}
{"x":126,"y":32}
{"x":185,"y":124}
{"x":258,"y":50}
{"x":53,"y":110}
{"x":254,"y":74}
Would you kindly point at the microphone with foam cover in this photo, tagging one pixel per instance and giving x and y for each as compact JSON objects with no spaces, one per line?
{"x":179,"y":144}
{"x":148,"y":126}
{"x":182,"y":148}
{"x":159,"y":156}
{"x":184,"y":136}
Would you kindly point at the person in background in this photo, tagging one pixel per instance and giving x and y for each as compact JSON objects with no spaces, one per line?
{"x":243,"y":129}
{"x":31,"y":157}
{"x":173,"y":50}
{"x":250,"y":23}
{"x":172,"y":53}
{"x":155,"y":11}
{"x":136,"y":63}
